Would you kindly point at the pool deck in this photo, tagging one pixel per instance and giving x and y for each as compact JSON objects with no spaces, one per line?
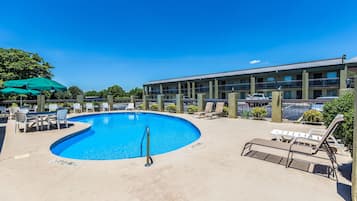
{"x":211,"y":168}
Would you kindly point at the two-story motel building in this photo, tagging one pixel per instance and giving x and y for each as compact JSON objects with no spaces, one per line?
{"x":304,"y":80}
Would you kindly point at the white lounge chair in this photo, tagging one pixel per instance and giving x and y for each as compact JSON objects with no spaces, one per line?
{"x":105,"y":106}
{"x":89,"y":106}
{"x":77,"y":107}
{"x":130,"y":106}
{"x":52,"y":107}
{"x":12,"y":111}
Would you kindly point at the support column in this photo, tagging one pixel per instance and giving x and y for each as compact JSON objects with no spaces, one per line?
{"x":343,"y":78}
{"x":252,"y":85}
{"x":132,"y":99}
{"x":193,"y":90}
{"x":110,"y":100}
{"x":276,"y":107}
{"x":160,"y":102}
{"x":188,"y":90}
{"x":232,"y":105}
{"x":179,"y":87}
{"x":179,"y":103}
{"x":201,"y":101}
{"x":161,"y":89}
{"x":146,"y":90}
{"x":210,"y":89}
{"x":145,"y":102}
{"x":41,"y":103}
{"x":216,"y":93}
{"x":354,"y":150}
{"x":305,"y":85}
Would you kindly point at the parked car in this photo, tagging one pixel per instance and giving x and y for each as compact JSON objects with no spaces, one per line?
{"x":320,"y":105}
{"x":257,"y":96}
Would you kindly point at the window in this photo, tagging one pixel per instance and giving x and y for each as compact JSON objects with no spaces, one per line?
{"x":331,"y":92}
{"x":288,"y":78}
{"x":287,"y":94}
{"x":270,"y":79}
{"x":242,"y":95}
{"x":260,"y":79}
{"x":331,"y":74}
{"x":268,"y":94}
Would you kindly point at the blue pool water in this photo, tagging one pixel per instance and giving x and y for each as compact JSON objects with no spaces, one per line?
{"x":120,"y":135}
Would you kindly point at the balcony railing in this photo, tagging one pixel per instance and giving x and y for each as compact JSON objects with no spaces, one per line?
{"x":234,"y":87}
{"x":290,"y":84}
{"x":324,"y":82}
{"x":265,"y":85}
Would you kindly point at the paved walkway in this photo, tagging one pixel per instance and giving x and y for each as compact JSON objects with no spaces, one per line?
{"x":209,"y":169}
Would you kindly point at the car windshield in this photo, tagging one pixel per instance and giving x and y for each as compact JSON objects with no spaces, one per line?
{"x":257,"y":95}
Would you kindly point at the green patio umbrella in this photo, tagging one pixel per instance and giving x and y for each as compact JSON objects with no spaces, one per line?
{"x":19,"y":91}
{"x":39,"y":83}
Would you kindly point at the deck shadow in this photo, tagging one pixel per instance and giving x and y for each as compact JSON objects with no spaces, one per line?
{"x":344,"y":191}
{"x":298,"y":164}
{"x":2,"y":136}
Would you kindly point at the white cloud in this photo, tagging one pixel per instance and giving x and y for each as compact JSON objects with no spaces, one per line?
{"x":255,"y":61}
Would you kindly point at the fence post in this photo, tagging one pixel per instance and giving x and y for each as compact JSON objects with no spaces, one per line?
{"x":160,"y":102}
{"x":276,"y":107}
{"x":110,"y":100}
{"x":232,"y":105}
{"x":201,"y":102}
{"x":179,"y":103}
{"x":132,"y":99}
{"x":145,"y":102}
{"x":80,"y":100}
{"x":354,"y":150}
{"x":41,"y":103}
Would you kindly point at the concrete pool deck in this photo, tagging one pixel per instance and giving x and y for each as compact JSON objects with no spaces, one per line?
{"x":211,"y":168}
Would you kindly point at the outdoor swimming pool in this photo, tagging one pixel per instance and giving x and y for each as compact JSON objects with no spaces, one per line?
{"x":122,"y":135}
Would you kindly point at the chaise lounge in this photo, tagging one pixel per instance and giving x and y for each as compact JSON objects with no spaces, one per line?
{"x":295,"y":145}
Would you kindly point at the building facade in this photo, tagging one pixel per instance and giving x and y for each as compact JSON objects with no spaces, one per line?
{"x":305,"y":80}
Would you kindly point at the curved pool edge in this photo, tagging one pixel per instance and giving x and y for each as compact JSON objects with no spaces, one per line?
{"x":78,"y":132}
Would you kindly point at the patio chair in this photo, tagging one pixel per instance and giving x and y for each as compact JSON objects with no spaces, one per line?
{"x":295,"y":147}
{"x":61,"y":116}
{"x":52,"y":107}
{"x":89,"y":106}
{"x":208,"y":109}
{"x":3,"y":110}
{"x":218,"y":111}
{"x":12,"y":111}
{"x":77,"y":107}
{"x":21,"y":118}
{"x":105,"y":106}
{"x":130,"y":106}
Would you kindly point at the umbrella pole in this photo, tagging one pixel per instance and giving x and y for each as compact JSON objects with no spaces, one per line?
{"x":20,"y":101}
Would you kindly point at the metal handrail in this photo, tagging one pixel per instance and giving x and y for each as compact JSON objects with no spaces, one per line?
{"x":149,"y":160}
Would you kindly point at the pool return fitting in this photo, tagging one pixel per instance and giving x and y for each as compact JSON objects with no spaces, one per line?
{"x":149,"y":160}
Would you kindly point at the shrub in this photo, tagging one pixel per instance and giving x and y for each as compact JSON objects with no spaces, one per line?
{"x":154,"y":107}
{"x":171,"y":108}
{"x":14,"y":105}
{"x":342,"y":105}
{"x":245,"y":114}
{"x":312,"y":116}
{"x":259,"y":113}
{"x":141,"y":106}
{"x":192,"y":109}
{"x":225,"y":111}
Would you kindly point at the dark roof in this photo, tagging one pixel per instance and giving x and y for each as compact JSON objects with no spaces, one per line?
{"x":293,"y":66}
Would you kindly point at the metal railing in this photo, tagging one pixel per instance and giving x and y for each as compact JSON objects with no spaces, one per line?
{"x":324,"y":82}
{"x":149,"y":160}
{"x":234,"y":87}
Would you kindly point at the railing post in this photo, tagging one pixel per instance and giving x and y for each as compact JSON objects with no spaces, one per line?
{"x":276,"y":107}
{"x":132,"y":99}
{"x":201,"y":101}
{"x":160,"y":102}
{"x":305,"y":85}
{"x":80,"y":100}
{"x":110,"y":100}
{"x":210,"y":89}
{"x":354,"y":150}
{"x":179,"y":103}
{"x":149,"y":160}
{"x":41,"y":103}
{"x":145,"y":102}
{"x":232,"y":105}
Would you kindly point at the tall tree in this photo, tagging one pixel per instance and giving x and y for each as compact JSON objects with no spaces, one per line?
{"x":116,"y":91}
{"x":138,"y":92}
{"x":74,"y":90}
{"x":18,"y":64}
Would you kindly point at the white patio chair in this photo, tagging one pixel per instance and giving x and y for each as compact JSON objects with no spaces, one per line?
{"x":105,"y":106}
{"x":61,"y":116}
{"x":130,"y":106}
{"x":22,"y":119}
{"x":12,"y":111}
{"x":52,"y":107}
{"x":77,"y":107}
{"x":89,"y":106}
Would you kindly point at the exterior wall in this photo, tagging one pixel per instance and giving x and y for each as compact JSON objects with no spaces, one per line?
{"x":319,"y":83}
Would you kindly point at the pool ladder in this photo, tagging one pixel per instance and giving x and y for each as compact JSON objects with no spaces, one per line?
{"x":149,"y":160}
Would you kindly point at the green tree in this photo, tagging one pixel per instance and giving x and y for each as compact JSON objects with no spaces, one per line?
{"x":18,"y":64}
{"x":116,"y":91}
{"x":138,"y":92}
{"x":92,"y":93}
{"x":74,"y":91}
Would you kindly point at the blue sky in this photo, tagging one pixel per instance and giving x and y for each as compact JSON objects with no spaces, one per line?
{"x":95,"y":44}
